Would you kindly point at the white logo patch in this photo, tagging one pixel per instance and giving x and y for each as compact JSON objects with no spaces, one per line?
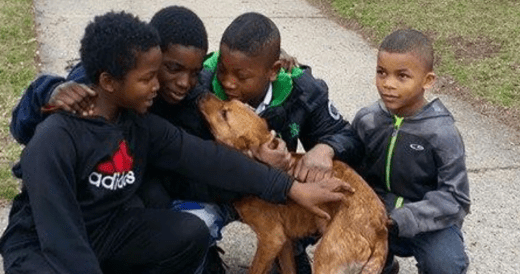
{"x":416,"y":147}
{"x":112,"y":182}
{"x":333,"y":111}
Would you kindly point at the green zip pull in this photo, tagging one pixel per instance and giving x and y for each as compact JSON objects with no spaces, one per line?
{"x":397,"y":124}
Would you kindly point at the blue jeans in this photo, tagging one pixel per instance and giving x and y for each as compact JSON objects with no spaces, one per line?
{"x":216,"y":216}
{"x":441,"y":251}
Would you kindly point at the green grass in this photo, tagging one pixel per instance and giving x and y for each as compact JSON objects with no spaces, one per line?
{"x":477,"y":42}
{"x":17,"y":69}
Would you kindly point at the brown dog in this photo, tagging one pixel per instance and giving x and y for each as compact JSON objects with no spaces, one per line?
{"x":353,"y":241}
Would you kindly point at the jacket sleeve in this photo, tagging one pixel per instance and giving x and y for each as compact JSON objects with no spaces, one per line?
{"x":208,"y":162}
{"x":326,"y":125}
{"x":27,"y":114}
{"x":446,"y":206}
{"x":48,"y":164}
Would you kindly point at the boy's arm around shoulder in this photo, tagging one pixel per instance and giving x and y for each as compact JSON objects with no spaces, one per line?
{"x":27,"y":114}
{"x":450,"y":202}
{"x":48,"y":165}
{"x":207,"y":162}
{"x":325,"y":124}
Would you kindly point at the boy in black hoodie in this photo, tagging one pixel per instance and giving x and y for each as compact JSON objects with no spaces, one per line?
{"x":78,"y":211}
{"x":184,"y":43}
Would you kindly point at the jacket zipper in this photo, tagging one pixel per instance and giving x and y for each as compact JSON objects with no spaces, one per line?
{"x":397,"y":125}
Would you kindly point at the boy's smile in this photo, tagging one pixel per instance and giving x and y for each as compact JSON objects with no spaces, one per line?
{"x":179,"y":71}
{"x":401,"y":79}
{"x":243,"y":77}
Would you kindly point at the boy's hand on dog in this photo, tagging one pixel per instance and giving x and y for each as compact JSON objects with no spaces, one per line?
{"x":273,"y":153}
{"x":311,"y":195}
{"x":287,"y":61}
{"x":72,"y":97}
{"x":316,"y":164}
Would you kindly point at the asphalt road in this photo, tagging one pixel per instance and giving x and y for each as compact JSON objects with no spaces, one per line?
{"x":347,"y":63}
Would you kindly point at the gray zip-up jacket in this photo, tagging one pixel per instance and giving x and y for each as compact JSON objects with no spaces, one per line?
{"x":416,"y":165}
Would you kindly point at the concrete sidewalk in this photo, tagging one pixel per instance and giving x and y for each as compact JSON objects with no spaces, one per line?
{"x":347,"y":63}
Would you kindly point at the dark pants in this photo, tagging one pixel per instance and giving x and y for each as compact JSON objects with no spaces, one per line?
{"x":438,"y":252}
{"x":137,"y":240}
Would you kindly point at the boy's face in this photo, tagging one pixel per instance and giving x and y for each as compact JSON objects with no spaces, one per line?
{"x":139,"y":86}
{"x":179,"y":71}
{"x":244,"y":77}
{"x":401,"y":79}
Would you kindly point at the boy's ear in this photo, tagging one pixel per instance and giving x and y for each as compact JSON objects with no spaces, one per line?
{"x":107,"y":82}
{"x":429,"y":80}
{"x":275,"y":68}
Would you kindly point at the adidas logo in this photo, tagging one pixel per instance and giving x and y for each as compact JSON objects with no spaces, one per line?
{"x":115,"y":173}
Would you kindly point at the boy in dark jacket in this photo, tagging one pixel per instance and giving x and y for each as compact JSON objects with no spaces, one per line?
{"x":78,"y":211}
{"x":415,"y":158}
{"x":295,"y":104}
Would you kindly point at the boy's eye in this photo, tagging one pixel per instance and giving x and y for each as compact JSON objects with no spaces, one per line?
{"x":220,"y":67}
{"x":172,"y":67}
{"x":147,"y":78}
{"x":380,"y":72}
{"x":403,"y":76}
{"x":195,"y":74}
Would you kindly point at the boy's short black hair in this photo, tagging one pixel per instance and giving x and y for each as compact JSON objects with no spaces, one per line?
{"x":179,"y":25}
{"x":409,"y":40}
{"x":253,"y":33}
{"x":111,"y":43}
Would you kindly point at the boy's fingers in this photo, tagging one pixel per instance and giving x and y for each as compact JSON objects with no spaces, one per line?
{"x":300,"y":172}
{"x":319,"y":176}
{"x":250,"y":153}
{"x":61,"y":105}
{"x":329,"y":174}
{"x":336,"y":185}
{"x":345,"y":187}
{"x":88,"y":90}
{"x":281,"y":144}
{"x":296,"y":170}
{"x":340,"y":197}
{"x":312,"y":176}
{"x":303,"y":174}
{"x":321,"y":213}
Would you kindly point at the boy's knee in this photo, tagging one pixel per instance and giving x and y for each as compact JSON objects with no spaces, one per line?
{"x":196,"y":232}
{"x":444,"y":263}
{"x":443,"y":252}
{"x":212,"y":215}
{"x":26,"y":260}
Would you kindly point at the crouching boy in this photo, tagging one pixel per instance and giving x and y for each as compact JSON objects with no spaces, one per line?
{"x":415,"y":158}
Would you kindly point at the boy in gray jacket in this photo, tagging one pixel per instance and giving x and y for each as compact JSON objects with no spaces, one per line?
{"x":415,"y":158}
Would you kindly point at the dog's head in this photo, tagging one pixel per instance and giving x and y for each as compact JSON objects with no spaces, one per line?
{"x":234,"y":123}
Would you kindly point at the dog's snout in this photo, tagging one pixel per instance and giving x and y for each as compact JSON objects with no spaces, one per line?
{"x":203,"y":98}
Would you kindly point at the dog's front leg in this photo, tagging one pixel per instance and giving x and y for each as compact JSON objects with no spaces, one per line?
{"x":286,"y":258}
{"x":269,"y":246}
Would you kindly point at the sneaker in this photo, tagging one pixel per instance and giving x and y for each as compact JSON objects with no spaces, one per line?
{"x":214,"y":263}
